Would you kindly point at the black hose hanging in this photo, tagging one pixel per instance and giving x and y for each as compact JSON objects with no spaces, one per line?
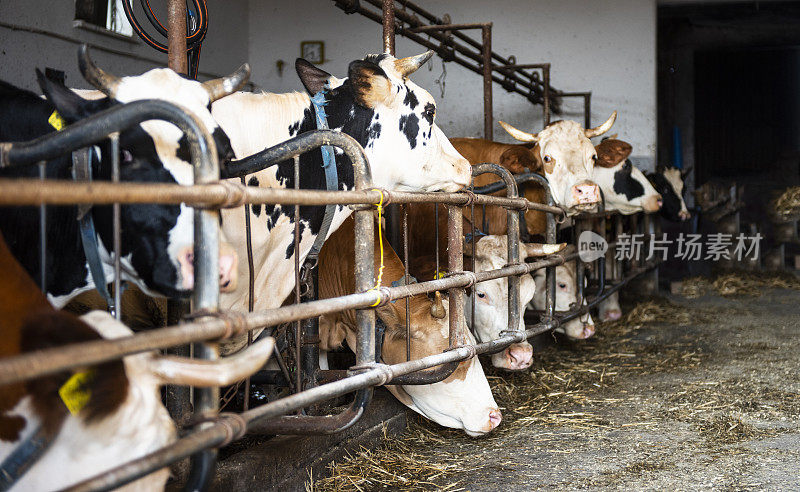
{"x":194,"y":38}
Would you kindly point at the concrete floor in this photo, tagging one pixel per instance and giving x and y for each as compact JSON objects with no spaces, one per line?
{"x":707,"y":401}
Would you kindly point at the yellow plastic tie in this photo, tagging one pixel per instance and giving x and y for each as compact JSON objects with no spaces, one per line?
{"x":56,"y":121}
{"x":380,"y":241}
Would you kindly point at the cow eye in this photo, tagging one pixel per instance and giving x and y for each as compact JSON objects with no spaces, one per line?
{"x":481,"y":295}
{"x":594,"y":158}
{"x":547,"y":159}
{"x":562,"y":285}
{"x":430,"y":113}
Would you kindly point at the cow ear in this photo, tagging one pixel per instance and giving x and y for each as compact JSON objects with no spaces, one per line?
{"x":519,"y":160}
{"x":332,"y":333}
{"x":70,"y":105}
{"x":314,"y":79}
{"x":371,"y":86}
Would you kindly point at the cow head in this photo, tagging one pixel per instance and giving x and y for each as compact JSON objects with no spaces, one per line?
{"x":463,"y":400}
{"x":157,"y":239}
{"x":566,"y":156}
{"x":668,"y":181}
{"x":393,"y":119}
{"x":491,"y":299}
{"x":625,"y":188}
{"x":566,"y":299}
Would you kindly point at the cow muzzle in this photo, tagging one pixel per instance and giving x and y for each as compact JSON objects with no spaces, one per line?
{"x":653,"y":203}
{"x":684,"y":215}
{"x":228,"y":267}
{"x":517,"y":357}
{"x":585,"y":195}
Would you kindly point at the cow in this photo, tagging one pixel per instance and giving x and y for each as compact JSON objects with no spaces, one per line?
{"x":625,"y":188}
{"x":566,"y":299}
{"x":669,"y":183}
{"x":91,"y":419}
{"x":377,"y":104}
{"x":490,"y":297}
{"x":157,"y":240}
{"x":463,"y":400}
{"x":562,"y":152}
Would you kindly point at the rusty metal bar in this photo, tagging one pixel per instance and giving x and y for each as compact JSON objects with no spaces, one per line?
{"x":176,"y":36}
{"x":19,"y":192}
{"x":450,"y":27}
{"x":218,"y":433}
{"x":388,"y":26}
{"x":486,"y":36}
{"x":587,"y":105}
{"x":455,"y":263}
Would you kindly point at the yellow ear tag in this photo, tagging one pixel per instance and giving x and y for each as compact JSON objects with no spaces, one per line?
{"x":440,"y":274}
{"x":75,"y":392}
{"x":56,"y":121}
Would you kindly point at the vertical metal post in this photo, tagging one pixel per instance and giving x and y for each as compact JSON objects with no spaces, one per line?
{"x":388,"y":26}
{"x":43,"y":234}
{"x":406,"y":278}
{"x":587,"y":110}
{"x":486,"y":35}
{"x":176,"y":36}
{"x":116,"y":229}
{"x":546,"y":94}
{"x":455,"y":263}
{"x":205,"y":298}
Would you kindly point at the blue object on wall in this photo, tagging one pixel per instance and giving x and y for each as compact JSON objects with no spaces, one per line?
{"x":677,"y":151}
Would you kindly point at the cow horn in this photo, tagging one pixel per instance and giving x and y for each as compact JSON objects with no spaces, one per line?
{"x":437,"y":308}
{"x":409,"y":65}
{"x":102,"y":80}
{"x":225,"y":86}
{"x":538,"y":249}
{"x":207,"y":373}
{"x":519,"y":134}
{"x":599,"y":130}
{"x":685,"y":172}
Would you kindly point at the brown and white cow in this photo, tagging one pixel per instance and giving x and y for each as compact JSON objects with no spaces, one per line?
{"x":378,"y":105}
{"x":115,"y":413}
{"x":566,"y":299}
{"x":564,"y":154}
{"x":463,"y":400}
{"x":490,"y":297}
{"x":625,"y":187}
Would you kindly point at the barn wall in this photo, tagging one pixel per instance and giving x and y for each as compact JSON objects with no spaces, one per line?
{"x":224,"y":49}
{"x":607,"y":47}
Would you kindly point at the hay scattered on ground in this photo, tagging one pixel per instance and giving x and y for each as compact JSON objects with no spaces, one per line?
{"x":564,"y":391}
{"x":787,"y":206}
{"x":739,"y":283}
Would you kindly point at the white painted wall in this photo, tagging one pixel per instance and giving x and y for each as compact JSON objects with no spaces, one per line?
{"x":224,"y":49}
{"x":606,"y":46}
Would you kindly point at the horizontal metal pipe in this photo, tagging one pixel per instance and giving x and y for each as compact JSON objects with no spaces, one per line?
{"x":53,"y":360}
{"x":20,"y":192}
{"x":379,"y":375}
{"x":97,"y":127}
{"x":449,"y":27}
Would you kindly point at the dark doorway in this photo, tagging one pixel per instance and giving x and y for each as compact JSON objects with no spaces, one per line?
{"x":747,"y":113}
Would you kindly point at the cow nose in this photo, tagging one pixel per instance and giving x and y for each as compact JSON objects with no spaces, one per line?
{"x":495,"y":417}
{"x":586,"y":193}
{"x":684,"y":215}
{"x":653,"y":203}
{"x":611,"y":315}
{"x":588,"y":331}
{"x":519,"y":356}
{"x":228,"y":267}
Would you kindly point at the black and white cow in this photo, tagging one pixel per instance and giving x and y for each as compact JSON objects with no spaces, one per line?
{"x":388,"y":114}
{"x":668,"y":181}
{"x":157,"y":240}
{"x":625,"y":188}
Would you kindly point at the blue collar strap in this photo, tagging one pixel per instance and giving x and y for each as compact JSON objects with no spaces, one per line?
{"x":25,"y":455}
{"x":331,"y":174}
{"x":82,"y":171}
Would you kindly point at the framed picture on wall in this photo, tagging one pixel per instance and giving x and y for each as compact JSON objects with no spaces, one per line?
{"x":313,"y":51}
